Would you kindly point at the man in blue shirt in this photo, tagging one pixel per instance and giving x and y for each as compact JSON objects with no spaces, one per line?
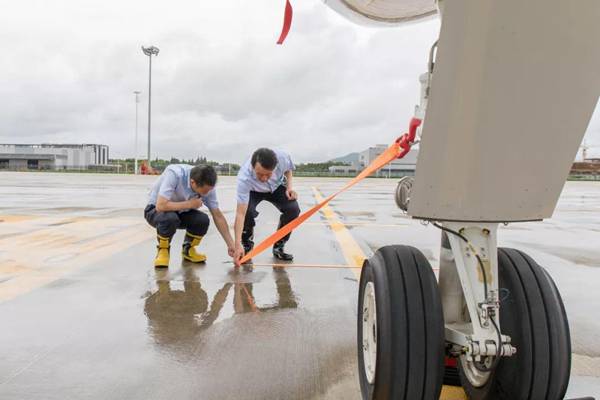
{"x":267,"y":175}
{"x":173,"y":204}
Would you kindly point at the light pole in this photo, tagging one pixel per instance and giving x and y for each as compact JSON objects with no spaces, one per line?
{"x":150,"y":51}
{"x":137,"y":101}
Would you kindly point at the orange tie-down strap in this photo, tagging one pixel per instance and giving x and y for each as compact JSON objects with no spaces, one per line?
{"x":398,"y":149}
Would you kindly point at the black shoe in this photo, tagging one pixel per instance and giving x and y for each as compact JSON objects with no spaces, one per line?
{"x":248,"y":246}
{"x":279,"y":252}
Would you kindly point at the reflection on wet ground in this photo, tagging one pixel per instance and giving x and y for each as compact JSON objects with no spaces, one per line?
{"x":178,"y":315}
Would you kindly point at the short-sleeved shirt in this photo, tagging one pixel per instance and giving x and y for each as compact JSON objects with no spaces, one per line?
{"x":174,"y":185}
{"x":247,"y":180}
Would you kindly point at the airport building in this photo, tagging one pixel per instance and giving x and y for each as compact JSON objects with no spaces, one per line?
{"x":52,"y":156}
{"x":401,"y":167}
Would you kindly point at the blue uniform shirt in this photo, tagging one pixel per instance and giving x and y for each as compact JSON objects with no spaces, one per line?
{"x":174,"y":185}
{"x":247,"y":180}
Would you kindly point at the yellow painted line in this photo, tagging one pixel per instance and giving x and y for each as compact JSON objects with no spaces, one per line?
{"x":352,"y":252}
{"x":452,"y":393}
{"x":16,"y":218}
{"x":355,"y":257}
{"x":35,"y":259}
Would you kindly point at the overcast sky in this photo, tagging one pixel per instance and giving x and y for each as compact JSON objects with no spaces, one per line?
{"x":221,"y":87}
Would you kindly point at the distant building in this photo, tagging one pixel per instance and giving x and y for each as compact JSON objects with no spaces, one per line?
{"x":344,"y":169}
{"x":591,"y":166}
{"x":227,"y":169}
{"x":401,"y":167}
{"x":52,"y":156}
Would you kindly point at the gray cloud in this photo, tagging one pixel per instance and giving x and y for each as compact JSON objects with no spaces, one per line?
{"x":221,"y":87}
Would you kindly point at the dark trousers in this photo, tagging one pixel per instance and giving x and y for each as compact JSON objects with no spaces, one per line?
{"x":289,"y":211}
{"x":166,"y":223}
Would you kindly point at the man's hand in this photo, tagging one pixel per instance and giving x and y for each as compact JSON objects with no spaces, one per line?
{"x":291,"y":194}
{"x":165,"y":205}
{"x":231,"y":251}
{"x":238,"y":253}
{"x":195,"y":203}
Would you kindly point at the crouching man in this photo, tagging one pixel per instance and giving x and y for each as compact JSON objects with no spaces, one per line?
{"x":173,"y":204}
{"x":267,"y":175}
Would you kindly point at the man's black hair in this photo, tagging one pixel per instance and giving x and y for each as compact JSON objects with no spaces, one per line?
{"x":204,"y":175}
{"x":265,"y":157}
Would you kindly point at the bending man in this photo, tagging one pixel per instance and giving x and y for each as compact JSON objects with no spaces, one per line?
{"x":267,"y":175}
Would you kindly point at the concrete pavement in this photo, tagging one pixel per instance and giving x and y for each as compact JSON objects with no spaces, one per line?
{"x":85,"y":315}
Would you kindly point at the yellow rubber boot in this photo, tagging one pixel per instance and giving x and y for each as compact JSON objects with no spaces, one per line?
{"x":162,"y":257}
{"x":189,"y":251}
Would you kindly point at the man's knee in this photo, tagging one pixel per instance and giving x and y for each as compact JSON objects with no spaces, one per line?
{"x":291,"y":209}
{"x":198,"y":224}
{"x":167,"y":223}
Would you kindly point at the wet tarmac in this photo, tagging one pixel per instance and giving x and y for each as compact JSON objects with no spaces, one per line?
{"x":84,"y":314}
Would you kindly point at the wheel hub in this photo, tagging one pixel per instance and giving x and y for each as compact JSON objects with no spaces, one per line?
{"x":476,"y":377}
{"x":369,"y":332}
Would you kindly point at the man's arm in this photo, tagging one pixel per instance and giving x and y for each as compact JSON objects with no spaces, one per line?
{"x":165,"y":192}
{"x":238,"y":227}
{"x":223,"y":228}
{"x":289,"y":192}
{"x":163,"y":204}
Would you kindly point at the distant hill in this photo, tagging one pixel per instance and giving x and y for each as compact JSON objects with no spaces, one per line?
{"x":347,"y":159}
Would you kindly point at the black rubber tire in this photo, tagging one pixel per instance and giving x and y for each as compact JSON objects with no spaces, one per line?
{"x":533,"y":315}
{"x":410,"y":326}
